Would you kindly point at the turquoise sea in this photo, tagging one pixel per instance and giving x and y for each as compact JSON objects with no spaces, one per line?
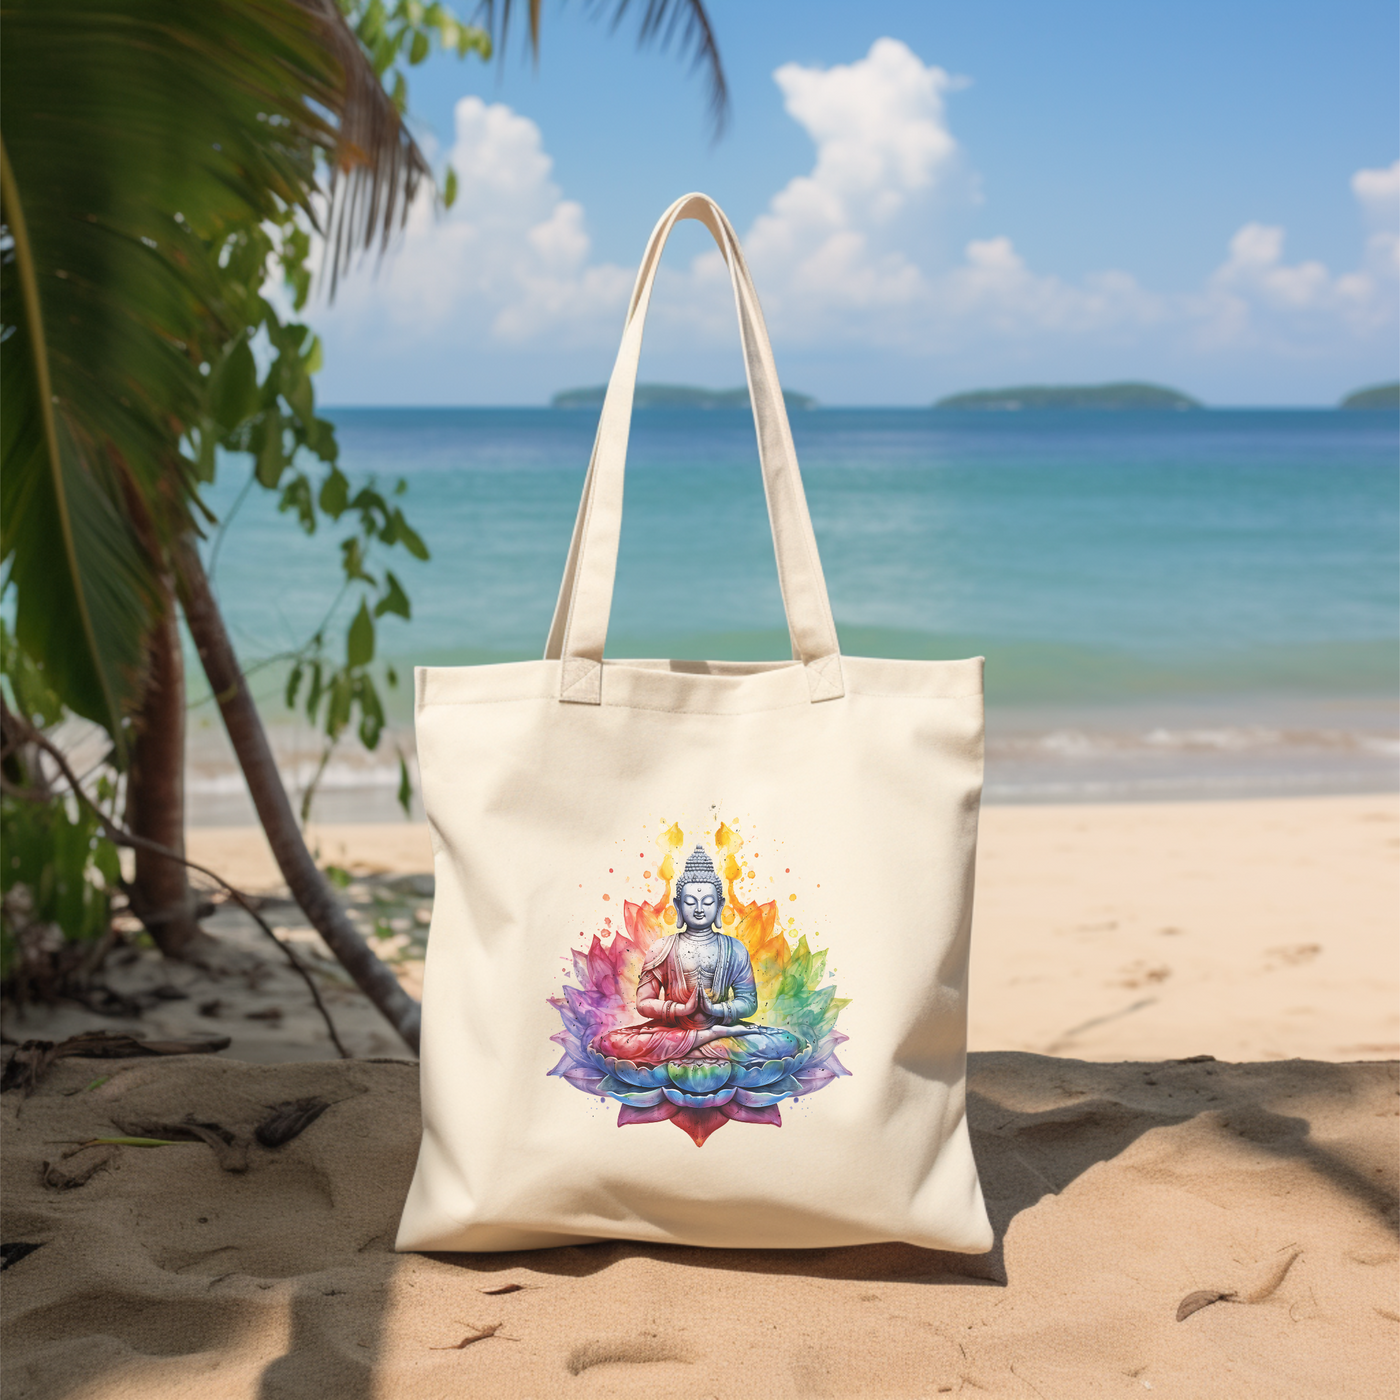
{"x":1169,"y":604}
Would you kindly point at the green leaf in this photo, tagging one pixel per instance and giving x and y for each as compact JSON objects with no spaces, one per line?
{"x":272,"y":460}
{"x":407,"y":536}
{"x":470,"y":37}
{"x":138,"y":1142}
{"x":395,"y":600}
{"x":206,"y":464}
{"x":233,"y":386}
{"x":335,"y":493}
{"x":353,"y":560}
{"x":359,"y":640}
{"x":420,"y":48}
{"x":320,"y":439}
{"x":30,"y":691}
{"x":371,"y":712}
{"x":338,"y":708}
{"x":405,"y":786}
{"x":449,"y":188}
{"x":314,"y":691}
{"x":293,"y":685}
{"x":297,"y":390}
{"x":296,"y":496}
{"x":370,"y":504}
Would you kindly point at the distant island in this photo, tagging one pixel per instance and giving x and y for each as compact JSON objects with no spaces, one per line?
{"x":674,"y":396}
{"x":1127,"y":397}
{"x":1379,"y":396}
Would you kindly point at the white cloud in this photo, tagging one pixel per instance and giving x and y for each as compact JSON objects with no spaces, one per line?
{"x":1378,"y":192}
{"x":1255,"y":269}
{"x":849,"y":254}
{"x":509,"y":262}
{"x":994,"y":288}
{"x":1258,"y":299}
{"x":835,"y":242}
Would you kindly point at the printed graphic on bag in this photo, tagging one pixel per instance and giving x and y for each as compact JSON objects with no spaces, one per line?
{"x":703,"y":1011}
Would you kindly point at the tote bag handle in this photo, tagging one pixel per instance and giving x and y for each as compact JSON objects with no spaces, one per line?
{"x":580,"y":626}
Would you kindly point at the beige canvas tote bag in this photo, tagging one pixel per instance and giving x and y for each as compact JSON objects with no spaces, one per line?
{"x":697,"y":969}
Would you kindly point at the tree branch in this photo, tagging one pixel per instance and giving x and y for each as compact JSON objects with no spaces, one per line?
{"x":308,"y":885}
{"x":120,"y":836}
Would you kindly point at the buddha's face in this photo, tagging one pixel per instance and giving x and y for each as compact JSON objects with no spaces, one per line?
{"x":698,"y":906}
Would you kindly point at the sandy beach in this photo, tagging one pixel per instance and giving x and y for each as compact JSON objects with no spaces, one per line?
{"x":1116,"y":949}
{"x":1118,"y":1192}
{"x":1249,"y":930}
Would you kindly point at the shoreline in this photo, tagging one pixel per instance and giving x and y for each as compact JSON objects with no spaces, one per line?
{"x":1052,"y":754}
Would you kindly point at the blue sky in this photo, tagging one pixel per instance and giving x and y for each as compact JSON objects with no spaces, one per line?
{"x":934,"y":197}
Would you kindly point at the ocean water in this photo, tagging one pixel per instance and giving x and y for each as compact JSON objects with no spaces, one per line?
{"x":1170,"y":604}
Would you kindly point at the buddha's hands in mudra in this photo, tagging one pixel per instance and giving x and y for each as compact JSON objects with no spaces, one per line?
{"x":710,"y":1006}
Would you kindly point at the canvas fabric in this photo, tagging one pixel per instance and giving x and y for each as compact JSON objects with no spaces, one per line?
{"x":835,"y":798}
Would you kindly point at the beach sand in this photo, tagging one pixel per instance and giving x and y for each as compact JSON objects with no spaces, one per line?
{"x":1248,"y":930}
{"x":1114,"y":942}
{"x":1117,"y":1190}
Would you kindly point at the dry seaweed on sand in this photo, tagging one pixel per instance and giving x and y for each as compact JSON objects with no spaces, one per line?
{"x":480,"y":1335}
{"x":230,"y":1151}
{"x":31,"y":1060}
{"x":289,"y":1120}
{"x":1266,"y":1281}
{"x":62,"y":1178}
{"x":11,"y":1254}
{"x":1201,"y":1298}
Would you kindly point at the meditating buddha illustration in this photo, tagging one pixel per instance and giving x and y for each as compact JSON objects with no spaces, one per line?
{"x":696,"y":988}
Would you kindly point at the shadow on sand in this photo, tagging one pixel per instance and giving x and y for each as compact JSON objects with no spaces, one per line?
{"x":287,"y":1270}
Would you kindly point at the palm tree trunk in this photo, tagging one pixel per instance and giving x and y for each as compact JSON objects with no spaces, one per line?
{"x":309,"y":887}
{"x":160,"y":894}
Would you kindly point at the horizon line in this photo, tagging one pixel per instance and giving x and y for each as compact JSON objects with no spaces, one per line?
{"x":875,"y":408}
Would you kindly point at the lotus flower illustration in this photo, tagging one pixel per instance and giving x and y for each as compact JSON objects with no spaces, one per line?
{"x":773,"y":1036}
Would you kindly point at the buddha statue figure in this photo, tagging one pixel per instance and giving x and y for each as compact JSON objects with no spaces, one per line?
{"x":695,"y":1049}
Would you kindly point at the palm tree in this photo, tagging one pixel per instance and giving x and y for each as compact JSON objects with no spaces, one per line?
{"x":139,"y":139}
{"x":143,"y":144}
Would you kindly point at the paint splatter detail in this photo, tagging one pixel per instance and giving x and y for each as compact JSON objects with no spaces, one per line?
{"x":704,"y":1011}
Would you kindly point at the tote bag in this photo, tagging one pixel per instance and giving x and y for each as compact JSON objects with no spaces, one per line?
{"x":697,"y":966}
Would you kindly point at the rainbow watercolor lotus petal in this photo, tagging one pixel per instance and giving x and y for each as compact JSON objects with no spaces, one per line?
{"x":730,"y":1082}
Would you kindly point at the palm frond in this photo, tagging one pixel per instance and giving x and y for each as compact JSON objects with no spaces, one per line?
{"x":377,"y":167}
{"x":60,"y":534}
{"x":682,"y":23}
{"x":136,"y":133}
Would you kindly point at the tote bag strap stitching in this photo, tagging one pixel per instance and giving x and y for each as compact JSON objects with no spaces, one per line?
{"x":579,"y":626}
